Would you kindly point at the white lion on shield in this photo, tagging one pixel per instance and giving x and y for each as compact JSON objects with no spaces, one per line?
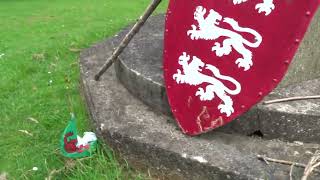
{"x":209,"y":30}
{"x":191,"y":74}
{"x":266,"y":6}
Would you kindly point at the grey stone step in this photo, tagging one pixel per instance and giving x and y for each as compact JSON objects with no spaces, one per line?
{"x":139,"y":69}
{"x":150,"y":143}
{"x":149,"y":140}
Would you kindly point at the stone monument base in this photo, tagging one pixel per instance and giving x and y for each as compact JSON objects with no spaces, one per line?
{"x":129,"y":110}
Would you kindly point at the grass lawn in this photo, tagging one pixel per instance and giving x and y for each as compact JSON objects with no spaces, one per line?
{"x":39,"y":49}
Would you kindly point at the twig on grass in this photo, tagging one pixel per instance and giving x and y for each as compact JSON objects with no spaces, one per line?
{"x":75,"y":50}
{"x":68,"y":165}
{"x":54,"y":171}
{"x":25,"y":132}
{"x":33,"y":120}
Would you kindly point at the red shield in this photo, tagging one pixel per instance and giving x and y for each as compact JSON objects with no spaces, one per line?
{"x":222,"y":57}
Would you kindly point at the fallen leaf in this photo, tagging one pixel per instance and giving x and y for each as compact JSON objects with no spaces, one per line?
{"x":38,"y":56}
{"x":33,"y":120}
{"x":34,"y":88}
{"x":70,"y":163}
{"x":25,"y":132}
{"x":74,"y":49}
{"x":3,"y":176}
{"x":74,"y":64}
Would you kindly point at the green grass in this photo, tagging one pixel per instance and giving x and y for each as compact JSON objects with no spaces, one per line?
{"x":36,"y":37}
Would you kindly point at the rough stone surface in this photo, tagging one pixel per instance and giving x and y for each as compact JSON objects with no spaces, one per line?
{"x":290,"y":121}
{"x":140,"y":65}
{"x":148,"y":140}
{"x":306,"y":63}
{"x":140,"y":71}
{"x":305,"y":66}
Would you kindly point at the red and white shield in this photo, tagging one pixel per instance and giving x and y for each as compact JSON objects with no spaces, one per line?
{"x":222,"y":57}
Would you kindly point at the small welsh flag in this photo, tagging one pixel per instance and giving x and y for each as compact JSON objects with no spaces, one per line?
{"x":74,"y":146}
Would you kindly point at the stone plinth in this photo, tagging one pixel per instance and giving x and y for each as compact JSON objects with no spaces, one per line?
{"x":126,"y":108}
{"x":139,"y":69}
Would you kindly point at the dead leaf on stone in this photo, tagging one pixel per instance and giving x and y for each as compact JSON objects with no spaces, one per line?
{"x":38,"y":56}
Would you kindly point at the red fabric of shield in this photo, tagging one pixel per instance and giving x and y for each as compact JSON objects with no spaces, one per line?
{"x":282,"y":31}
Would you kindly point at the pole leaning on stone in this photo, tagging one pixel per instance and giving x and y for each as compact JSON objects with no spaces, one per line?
{"x":135,"y":29}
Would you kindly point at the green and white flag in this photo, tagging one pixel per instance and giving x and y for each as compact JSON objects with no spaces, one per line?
{"x":74,"y":146}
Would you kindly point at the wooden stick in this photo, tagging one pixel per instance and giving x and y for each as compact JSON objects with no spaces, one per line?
{"x":291,"y":99}
{"x":135,"y":29}
{"x":264,"y":158}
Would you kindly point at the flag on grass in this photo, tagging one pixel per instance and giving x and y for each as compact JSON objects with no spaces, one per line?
{"x":74,"y":146}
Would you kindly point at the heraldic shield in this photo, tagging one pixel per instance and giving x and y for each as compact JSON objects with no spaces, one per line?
{"x":221,"y":57}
